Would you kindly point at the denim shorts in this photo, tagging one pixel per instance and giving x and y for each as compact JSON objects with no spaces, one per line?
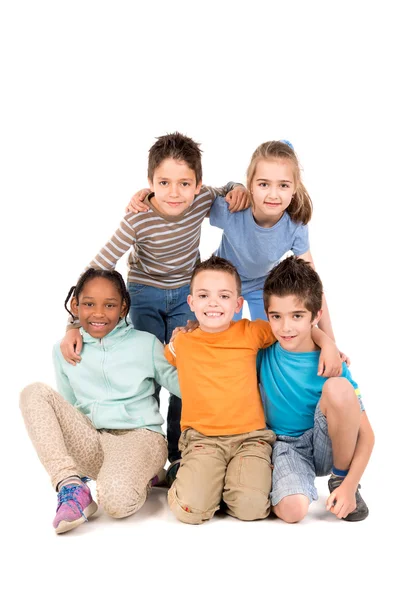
{"x":298,"y":460}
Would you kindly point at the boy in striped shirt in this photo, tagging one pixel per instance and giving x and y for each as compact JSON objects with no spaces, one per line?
{"x":163,"y":246}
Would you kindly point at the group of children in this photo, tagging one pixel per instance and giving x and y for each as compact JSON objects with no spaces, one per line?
{"x":246,"y":395}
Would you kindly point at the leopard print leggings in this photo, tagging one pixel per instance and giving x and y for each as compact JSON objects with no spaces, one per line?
{"x":121,"y":462}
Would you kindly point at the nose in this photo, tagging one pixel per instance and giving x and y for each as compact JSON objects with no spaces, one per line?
{"x":285,"y":326}
{"x":173,"y":192}
{"x":273,"y":192}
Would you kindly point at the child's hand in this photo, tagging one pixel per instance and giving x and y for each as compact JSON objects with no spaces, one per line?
{"x":71,"y":346}
{"x":238,"y":199}
{"x":189,"y":327}
{"x":136,"y":204}
{"x":344,"y":358}
{"x":342,"y":501}
{"x":330,"y":362}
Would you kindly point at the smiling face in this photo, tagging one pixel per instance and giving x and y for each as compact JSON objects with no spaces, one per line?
{"x":99,"y":307}
{"x":272,"y":189}
{"x":214,"y":300}
{"x":174,"y":186}
{"x":291,"y":323}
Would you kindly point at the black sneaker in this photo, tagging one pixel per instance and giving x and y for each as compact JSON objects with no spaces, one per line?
{"x":171,"y":472}
{"x":361,"y":511}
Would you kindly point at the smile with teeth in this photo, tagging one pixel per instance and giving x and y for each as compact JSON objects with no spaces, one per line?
{"x":97,"y":324}
{"x":287,"y":337}
{"x":214,"y":314}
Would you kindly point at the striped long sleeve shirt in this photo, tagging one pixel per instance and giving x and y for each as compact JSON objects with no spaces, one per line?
{"x":163,"y":250}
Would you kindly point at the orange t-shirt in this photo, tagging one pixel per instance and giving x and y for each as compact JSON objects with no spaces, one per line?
{"x":218,"y":378}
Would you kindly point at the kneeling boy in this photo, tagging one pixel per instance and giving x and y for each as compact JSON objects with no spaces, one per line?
{"x":321,"y":424}
{"x":226,"y":449}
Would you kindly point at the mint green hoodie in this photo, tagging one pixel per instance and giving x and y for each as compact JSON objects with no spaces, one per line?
{"x":114,"y":382}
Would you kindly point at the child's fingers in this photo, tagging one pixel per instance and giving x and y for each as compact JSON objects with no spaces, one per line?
{"x":330,"y":501}
{"x":78,"y":346}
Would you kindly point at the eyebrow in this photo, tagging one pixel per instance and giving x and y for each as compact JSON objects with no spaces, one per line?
{"x":92,"y":298}
{"x":169,"y":178}
{"x":204,"y":290}
{"x":292,"y":312}
{"x":280,"y":180}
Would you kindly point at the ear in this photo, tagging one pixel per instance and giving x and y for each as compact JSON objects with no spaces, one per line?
{"x":150,"y":182}
{"x":239,"y":304}
{"x":190,"y":302}
{"x":74,"y":306}
{"x":317,"y":318}
{"x":124,"y":310}
{"x":198,"y":188}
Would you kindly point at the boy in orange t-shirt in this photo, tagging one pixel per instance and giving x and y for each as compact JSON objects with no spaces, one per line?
{"x":226,"y":449}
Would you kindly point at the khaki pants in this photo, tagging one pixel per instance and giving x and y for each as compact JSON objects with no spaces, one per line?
{"x":236,"y":468}
{"x":121,"y":462}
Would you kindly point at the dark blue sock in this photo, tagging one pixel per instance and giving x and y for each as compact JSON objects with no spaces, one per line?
{"x":339,"y":472}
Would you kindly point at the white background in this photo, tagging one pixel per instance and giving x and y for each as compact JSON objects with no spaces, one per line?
{"x":86,"y":89}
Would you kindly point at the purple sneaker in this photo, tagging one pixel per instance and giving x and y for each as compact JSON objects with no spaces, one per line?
{"x":75,"y":506}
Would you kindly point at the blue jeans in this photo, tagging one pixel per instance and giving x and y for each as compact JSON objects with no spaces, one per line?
{"x":256,"y":306}
{"x":159,"y":311}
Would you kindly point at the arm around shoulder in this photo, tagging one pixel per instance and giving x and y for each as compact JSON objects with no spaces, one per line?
{"x":165,"y":372}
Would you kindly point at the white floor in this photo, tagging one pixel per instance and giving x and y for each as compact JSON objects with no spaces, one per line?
{"x":153,"y":555}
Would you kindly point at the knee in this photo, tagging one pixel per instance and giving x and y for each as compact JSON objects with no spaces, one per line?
{"x":31,"y":392}
{"x":119,"y":505}
{"x":339,"y":394}
{"x":248,"y":506}
{"x":185,"y":512}
{"x":292,"y":509}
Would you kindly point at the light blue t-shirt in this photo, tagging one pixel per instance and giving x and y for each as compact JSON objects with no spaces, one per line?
{"x":291,"y":388}
{"x":255,"y":250}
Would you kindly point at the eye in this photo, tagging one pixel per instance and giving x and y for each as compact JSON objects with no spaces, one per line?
{"x":185,"y":183}
{"x":285,"y":185}
{"x":89,"y":304}
{"x":202,"y":296}
{"x":297,"y":317}
{"x":263,"y":184}
{"x":225,"y":296}
{"x":274,"y":317}
{"x":110,"y":305}
{"x":163,"y":183}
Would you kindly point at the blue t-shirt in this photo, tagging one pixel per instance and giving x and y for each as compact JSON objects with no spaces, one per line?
{"x":291,"y":388}
{"x":255,"y":250}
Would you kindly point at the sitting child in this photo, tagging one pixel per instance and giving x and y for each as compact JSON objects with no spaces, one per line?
{"x":226,"y":449}
{"x":321,"y":424}
{"x":105,"y":423}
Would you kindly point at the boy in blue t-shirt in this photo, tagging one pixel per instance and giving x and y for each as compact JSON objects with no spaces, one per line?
{"x":321,"y":424}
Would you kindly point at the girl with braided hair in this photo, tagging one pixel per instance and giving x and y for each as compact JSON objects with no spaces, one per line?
{"x":104,"y":423}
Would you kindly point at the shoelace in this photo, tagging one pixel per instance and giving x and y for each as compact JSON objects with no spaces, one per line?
{"x":66,"y":494}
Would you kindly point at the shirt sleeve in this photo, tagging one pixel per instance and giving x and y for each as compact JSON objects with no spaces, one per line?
{"x":262,"y":333}
{"x":301,"y":243}
{"x":346,"y":373}
{"x":165,"y":373}
{"x":121,"y":241}
{"x":62,"y":381}
{"x":219,"y":212}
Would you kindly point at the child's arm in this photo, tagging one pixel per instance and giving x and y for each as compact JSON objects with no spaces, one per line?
{"x":325,"y":321}
{"x":236,"y":196}
{"x":71,"y":344}
{"x":342,"y":500}
{"x":165,"y":373}
{"x":330,"y":361}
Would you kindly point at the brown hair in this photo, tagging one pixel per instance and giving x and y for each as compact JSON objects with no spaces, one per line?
{"x":295,"y":277}
{"x":176,"y":146}
{"x":215,"y":263}
{"x":300,"y":207}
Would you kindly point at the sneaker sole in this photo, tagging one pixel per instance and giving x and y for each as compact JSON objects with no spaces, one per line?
{"x":356,"y":516}
{"x":65,"y":526}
